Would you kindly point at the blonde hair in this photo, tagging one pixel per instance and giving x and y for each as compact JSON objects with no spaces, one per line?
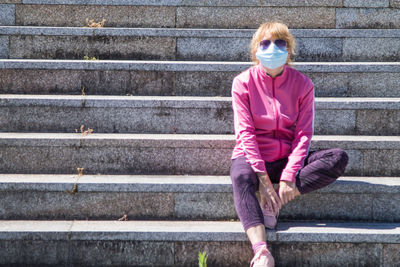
{"x":277,"y":30}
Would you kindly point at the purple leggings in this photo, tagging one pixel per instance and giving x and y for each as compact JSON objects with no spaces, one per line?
{"x":320,"y":169}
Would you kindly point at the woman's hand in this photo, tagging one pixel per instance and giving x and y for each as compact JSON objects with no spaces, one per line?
{"x":287,"y":191}
{"x":268,"y":195}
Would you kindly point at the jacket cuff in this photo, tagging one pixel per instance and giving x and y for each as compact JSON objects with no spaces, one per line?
{"x":288,"y":176}
{"x":258,"y":166}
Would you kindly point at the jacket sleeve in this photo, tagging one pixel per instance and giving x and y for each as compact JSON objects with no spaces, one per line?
{"x":244,"y":126}
{"x":302,"y":136}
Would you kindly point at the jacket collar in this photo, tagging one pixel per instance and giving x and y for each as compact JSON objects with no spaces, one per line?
{"x":278,"y":79}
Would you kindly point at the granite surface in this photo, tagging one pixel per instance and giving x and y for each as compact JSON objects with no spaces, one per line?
{"x":7,"y":16}
{"x":4,"y":46}
{"x":174,"y":154}
{"x":365,"y":3}
{"x":115,"y":16}
{"x":362,"y":18}
{"x":247,"y":17}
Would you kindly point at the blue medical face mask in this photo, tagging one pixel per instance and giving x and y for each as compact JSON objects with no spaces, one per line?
{"x":272,"y":55}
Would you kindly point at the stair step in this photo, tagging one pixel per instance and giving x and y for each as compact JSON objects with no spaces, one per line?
{"x":198,"y":78}
{"x":103,"y":197}
{"x":169,"y":153}
{"x":190,"y":44}
{"x":178,"y":243}
{"x":200,"y":115}
{"x":204,"y":14}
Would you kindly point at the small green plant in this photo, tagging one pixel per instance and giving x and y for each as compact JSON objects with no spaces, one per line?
{"x":89,"y":58}
{"x":203,"y":259}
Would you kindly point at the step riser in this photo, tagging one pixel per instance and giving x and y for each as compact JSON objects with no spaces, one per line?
{"x":191,"y":83}
{"x":169,"y":253}
{"x":39,"y":205}
{"x":120,"y":156}
{"x":210,"y":49}
{"x":163,"y":119}
{"x":201,"y":17}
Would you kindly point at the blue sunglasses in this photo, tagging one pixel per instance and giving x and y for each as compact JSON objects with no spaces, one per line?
{"x":264,"y":44}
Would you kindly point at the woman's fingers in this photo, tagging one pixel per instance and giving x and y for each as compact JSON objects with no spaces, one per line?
{"x":277,"y":199}
{"x":274,"y":204}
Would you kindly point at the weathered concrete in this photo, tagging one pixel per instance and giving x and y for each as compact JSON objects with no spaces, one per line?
{"x":384,"y":161}
{"x":62,"y":205}
{"x":174,"y":154}
{"x":365,"y":3}
{"x":362,"y":18}
{"x":377,"y":122}
{"x":4,"y":46}
{"x":247,"y":17}
{"x":106,"y":2}
{"x":101,"y":47}
{"x":213,"y":49}
{"x":385,"y":233}
{"x":102,"y":252}
{"x":183,"y":78}
{"x":186,"y":2}
{"x":395,"y":3}
{"x":201,"y":66}
{"x":7,"y":16}
{"x":291,"y":3}
{"x":215,"y":45}
{"x":192,"y":33}
{"x":356,"y":84}
{"x":391,"y":256}
{"x":75,"y":15}
{"x":321,"y":254}
{"x":194,"y":115}
{"x":355,"y":49}
{"x":319,"y":49}
{"x":104,"y":197}
{"x":10,"y":1}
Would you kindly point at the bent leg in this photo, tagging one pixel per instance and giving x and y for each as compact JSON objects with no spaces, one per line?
{"x":245,"y":184}
{"x":321,"y":168}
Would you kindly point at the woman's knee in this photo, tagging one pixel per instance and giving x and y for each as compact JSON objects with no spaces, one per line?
{"x":242,"y":173}
{"x":243,"y":176}
{"x":341,"y":161}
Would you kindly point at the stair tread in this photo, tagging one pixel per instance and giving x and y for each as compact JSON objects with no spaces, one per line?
{"x":174,"y":183}
{"x":154,"y":65}
{"x":350,"y":103}
{"x":352,"y":232}
{"x":194,"y":32}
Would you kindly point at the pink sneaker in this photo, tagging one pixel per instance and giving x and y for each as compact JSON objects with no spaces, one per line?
{"x":270,"y":218}
{"x":262,"y":258}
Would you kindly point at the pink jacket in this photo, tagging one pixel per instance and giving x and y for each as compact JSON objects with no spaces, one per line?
{"x":273,"y":117}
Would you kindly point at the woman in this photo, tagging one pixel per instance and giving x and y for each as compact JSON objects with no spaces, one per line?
{"x":273,"y":107}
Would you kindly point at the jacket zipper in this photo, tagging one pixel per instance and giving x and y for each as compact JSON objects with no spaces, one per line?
{"x":276,"y":117}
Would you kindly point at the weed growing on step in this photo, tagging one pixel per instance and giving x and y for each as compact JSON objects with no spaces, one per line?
{"x":125,"y":216}
{"x":83,"y":131}
{"x":203,"y":259}
{"x":90,"y":58}
{"x":75,"y":187}
{"x":83,"y":91}
{"x":92,"y":24}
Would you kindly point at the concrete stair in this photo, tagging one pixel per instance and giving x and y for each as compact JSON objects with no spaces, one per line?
{"x":203,"y":14}
{"x":168,"y":243}
{"x":314,"y":45}
{"x":198,"y":115}
{"x":184,"y":197}
{"x":159,"y":103}
{"x":170,"y":153}
{"x":199,"y":78}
